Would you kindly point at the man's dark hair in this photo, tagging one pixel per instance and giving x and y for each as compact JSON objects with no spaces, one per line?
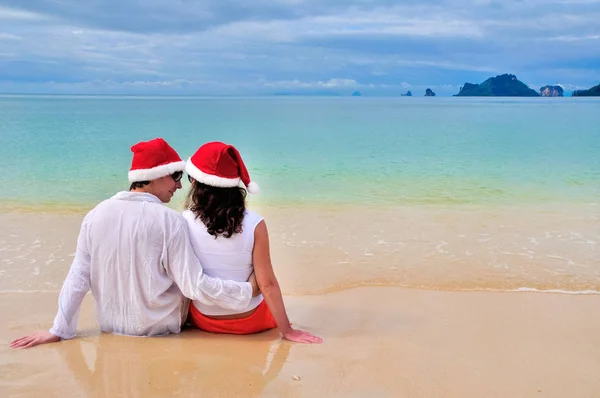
{"x":220,"y":209}
{"x":138,"y":184}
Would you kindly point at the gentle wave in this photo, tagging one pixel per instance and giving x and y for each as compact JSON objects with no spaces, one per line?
{"x":490,"y":290}
{"x":27,"y":291}
{"x":447,"y":289}
{"x":559,"y":291}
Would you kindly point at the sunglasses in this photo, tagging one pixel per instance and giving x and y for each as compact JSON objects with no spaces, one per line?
{"x":177,"y":176}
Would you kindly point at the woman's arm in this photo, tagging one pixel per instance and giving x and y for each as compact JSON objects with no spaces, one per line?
{"x":267,"y":282}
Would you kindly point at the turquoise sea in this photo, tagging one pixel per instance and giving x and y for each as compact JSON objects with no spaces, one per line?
{"x":441,"y":193}
{"x":365,"y":151}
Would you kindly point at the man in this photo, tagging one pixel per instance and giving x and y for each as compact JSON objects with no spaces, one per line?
{"x":134,"y":254}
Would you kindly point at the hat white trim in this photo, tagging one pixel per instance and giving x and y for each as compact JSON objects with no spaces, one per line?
{"x":209,"y":179}
{"x":156,"y":172}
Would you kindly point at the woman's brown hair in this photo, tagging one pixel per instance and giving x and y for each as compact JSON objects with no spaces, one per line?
{"x":220,"y":209}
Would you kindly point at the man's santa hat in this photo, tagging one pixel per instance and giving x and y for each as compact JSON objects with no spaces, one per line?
{"x":219,"y":165}
{"x":154,"y":159}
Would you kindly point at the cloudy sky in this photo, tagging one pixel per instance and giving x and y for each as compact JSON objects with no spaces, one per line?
{"x":257,"y":47}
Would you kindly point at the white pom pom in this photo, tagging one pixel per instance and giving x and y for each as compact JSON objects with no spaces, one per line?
{"x":253,"y":187}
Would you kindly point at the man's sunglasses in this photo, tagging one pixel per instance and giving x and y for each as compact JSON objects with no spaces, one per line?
{"x":177,"y":176}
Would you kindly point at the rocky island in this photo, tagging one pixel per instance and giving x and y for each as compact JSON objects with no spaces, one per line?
{"x":429,"y":93}
{"x":500,"y":86}
{"x":551,"y":91}
{"x":592,"y":92}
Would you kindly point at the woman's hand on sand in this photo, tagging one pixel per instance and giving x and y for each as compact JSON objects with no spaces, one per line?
{"x":35,"y":339}
{"x":300,"y":336}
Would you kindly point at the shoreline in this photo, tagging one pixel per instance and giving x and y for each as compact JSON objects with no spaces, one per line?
{"x":382,"y":341}
{"x":177,"y":204}
{"x":522,"y":290}
{"x":317,"y":251}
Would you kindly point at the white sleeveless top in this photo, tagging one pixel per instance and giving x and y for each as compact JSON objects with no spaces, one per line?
{"x":224,"y":258}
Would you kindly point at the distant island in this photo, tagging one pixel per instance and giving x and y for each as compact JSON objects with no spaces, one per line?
{"x":505,"y":85}
{"x":551,"y":91}
{"x":592,"y":92}
{"x":500,"y":86}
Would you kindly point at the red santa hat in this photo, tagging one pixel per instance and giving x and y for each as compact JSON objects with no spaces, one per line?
{"x":219,"y":165}
{"x":154,"y":159}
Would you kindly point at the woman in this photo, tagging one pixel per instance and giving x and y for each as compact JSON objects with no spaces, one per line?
{"x":232,"y":242}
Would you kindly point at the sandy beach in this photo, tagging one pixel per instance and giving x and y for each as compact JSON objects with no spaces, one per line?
{"x":347,"y":282}
{"x":379,"y":342}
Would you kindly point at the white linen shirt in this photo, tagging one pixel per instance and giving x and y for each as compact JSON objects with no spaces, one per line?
{"x":135,"y":255}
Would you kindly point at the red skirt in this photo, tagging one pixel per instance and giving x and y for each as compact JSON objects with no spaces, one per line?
{"x":259,"y":321}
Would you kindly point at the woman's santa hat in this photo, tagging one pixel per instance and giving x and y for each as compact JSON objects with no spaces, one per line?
{"x":219,"y":165}
{"x":154,"y":159}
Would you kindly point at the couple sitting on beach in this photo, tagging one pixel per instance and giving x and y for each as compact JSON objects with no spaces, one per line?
{"x":142,"y":260}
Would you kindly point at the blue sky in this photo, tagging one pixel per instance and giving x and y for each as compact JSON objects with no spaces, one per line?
{"x":189,"y":47}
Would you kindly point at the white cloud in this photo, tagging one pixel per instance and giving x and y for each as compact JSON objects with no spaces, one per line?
{"x":292,"y":44}
{"x":446,"y":65}
{"x":11,"y":14}
{"x":569,"y":38}
{"x":388,"y":22}
{"x":340,"y":83}
{"x":297,"y":84}
{"x":8,"y":36}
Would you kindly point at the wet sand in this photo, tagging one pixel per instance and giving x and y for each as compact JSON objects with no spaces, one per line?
{"x":382,"y":341}
{"x":379,"y":342}
{"x":320,"y":250}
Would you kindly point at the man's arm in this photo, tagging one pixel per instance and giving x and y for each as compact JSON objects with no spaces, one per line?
{"x":72,"y":293}
{"x":185,"y":269}
{"x":74,"y":289}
